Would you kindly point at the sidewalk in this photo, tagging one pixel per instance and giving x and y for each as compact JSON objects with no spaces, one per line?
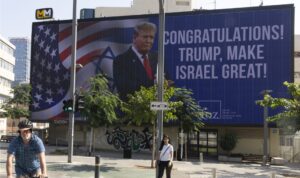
{"x":112,"y":165}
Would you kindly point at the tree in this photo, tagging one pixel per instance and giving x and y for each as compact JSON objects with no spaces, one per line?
{"x":137,"y":109}
{"x":189,"y":114}
{"x":18,"y":106}
{"x":100,"y":104}
{"x":289,"y":117}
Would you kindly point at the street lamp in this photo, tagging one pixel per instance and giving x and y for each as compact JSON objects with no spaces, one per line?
{"x":160,"y":81}
{"x":72,"y":83}
{"x":266,"y":135}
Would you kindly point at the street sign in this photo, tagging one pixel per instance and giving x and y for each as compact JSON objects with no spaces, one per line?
{"x":155,"y":105}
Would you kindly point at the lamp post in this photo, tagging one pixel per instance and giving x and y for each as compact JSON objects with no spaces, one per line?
{"x":160,"y":71}
{"x":72,"y":83}
{"x":266,"y":135}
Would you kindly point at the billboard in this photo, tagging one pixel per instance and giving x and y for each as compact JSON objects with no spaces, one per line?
{"x":226,"y":57}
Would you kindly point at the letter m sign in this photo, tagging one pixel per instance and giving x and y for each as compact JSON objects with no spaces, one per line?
{"x":45,"y":13}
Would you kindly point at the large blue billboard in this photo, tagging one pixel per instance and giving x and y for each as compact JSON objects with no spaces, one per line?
{"x":226,"y":57}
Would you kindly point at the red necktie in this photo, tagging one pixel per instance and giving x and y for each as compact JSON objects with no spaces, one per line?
{"x":148,"y":67}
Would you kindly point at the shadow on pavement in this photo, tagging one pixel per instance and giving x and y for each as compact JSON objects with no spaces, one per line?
{"x":79,"y":168}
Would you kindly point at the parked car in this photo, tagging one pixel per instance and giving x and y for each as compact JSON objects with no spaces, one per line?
{"x":7,"y":138}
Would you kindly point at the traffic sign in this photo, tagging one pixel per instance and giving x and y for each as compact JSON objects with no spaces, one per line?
{"x":155,"y":105}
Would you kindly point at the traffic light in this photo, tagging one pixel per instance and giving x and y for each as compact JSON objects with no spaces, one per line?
{"x":68,"y":105}
{"x":79,"y":105}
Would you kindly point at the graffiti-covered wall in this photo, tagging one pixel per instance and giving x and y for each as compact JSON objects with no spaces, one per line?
{"x":112,"y":138}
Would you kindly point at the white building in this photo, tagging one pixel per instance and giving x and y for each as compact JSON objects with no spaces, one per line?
{"x":139,"y":7}
{"x":297,"y":58}
{"x":7,"y":62}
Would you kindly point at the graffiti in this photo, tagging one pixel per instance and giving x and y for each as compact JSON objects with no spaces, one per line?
{"x":122,"y":139}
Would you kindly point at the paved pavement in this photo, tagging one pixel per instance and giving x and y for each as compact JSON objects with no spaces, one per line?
{"x":112,"y":165}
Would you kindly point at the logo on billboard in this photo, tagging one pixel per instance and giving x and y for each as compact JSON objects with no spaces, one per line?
{"x":45,"y":13}
{"x":212,"y":106}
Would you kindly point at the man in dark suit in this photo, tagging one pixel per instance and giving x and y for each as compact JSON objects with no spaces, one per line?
{"x":137,"y":66}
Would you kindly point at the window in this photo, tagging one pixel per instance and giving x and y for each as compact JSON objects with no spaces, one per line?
{"x":286,"y":140}
{"x":182,"y":3}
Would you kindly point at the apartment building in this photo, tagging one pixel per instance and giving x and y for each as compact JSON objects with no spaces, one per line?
{"x":7,"y":62}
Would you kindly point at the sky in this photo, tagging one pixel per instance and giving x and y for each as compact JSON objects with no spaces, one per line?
{"x":16,"y":16}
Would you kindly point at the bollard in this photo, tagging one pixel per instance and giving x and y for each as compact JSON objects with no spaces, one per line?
{"x":272,"y":175}
{"x":201,"y":158}
{"x":97,"y":166}
{"x":214,"y":174}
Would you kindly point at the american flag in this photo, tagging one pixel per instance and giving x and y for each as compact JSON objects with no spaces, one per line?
{"x":98,"y":42}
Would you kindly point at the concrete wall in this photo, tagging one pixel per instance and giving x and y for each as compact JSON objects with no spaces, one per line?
{"x":58,"y":134}
{"x":250,"y":139}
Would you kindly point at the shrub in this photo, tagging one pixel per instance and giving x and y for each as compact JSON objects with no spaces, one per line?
{"x":228,"y":142}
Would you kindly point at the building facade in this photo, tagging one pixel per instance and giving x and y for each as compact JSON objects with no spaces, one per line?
{"x":7,"y":62}
{"x":207,"y":141}
{"x":297,"y":58}
{"x":22,"y":56}
{"x":139,"y":7}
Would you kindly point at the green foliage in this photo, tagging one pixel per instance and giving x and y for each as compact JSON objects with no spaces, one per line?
{"x":137,"y":109}
{"x":228,"y":142}
{"x":182,"y":107}
{"x":189,"y":114}
{"x":21,"y":94}
{"x":291,"y":106}
{"x":17,"y":106}
{"x":99,"y":103}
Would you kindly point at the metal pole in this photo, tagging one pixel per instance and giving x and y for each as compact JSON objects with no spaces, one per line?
{"x":214,"y":172}
{"x":265,"y":148}
{"x":97,"y":166}
{"x":265,"y":157}
{"x":72,"y":83}
{"x":160,"y":71}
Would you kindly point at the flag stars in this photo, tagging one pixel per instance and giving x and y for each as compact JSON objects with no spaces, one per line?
{"x":49,"y":66}
{"x":57,"y":80}
{"x":57,"y":67}
{"x":49,"y":75}
{"x":53,"y":37}
{"x":49,"y":92}
{"x":43,"y":62}
{"x":47,"y":32}
{"x":36,"y":38}
{"x":41,"y":44}
{"x":38,"y":97}
{"x":47,"y":49}
{"x":41,"y":27}
{"x":60,"y":91}
{"x":39,"y":87}
{"x":53,"y":53}
{"x":36,"y":105}
{"x":49,"y":101}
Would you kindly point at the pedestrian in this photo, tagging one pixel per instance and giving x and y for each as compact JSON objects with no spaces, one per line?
{"x":29,"y":153}
{"x":165,"y":157}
